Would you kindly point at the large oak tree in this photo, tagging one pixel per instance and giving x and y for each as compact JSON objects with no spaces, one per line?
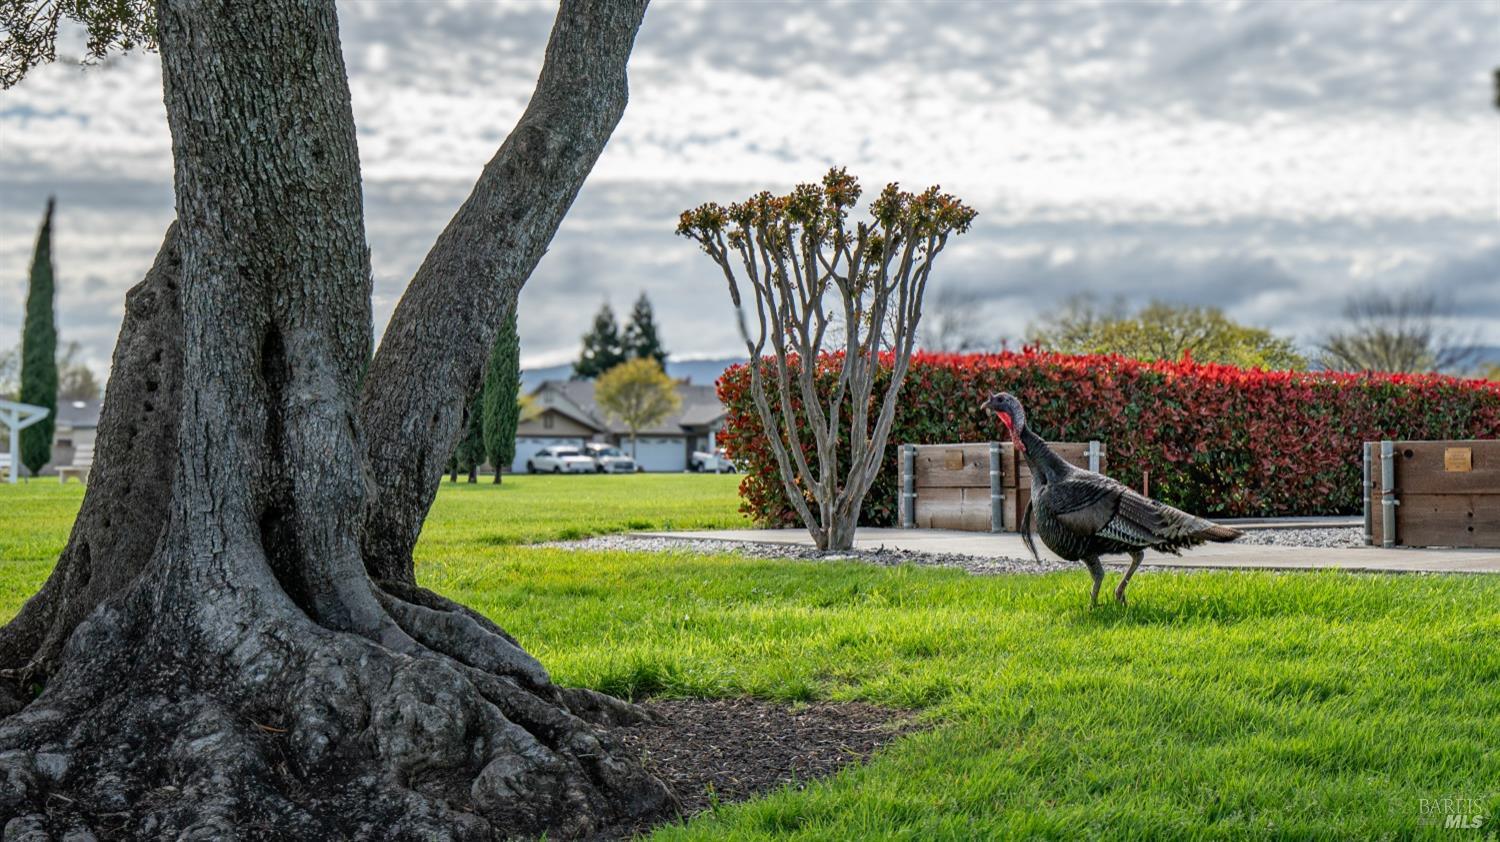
{"x":233,"y":643}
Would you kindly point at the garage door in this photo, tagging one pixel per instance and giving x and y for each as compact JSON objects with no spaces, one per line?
{"x":658,"y":453}
{"x":527,"y":446}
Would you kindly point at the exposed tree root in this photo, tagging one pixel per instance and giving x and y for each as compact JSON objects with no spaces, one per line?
{"x":279,"y":728}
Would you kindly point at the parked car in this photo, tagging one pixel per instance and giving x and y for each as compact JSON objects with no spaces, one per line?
{"x":559,"y":459}
{"x":608,"y":459}
{"x":717,"y":462}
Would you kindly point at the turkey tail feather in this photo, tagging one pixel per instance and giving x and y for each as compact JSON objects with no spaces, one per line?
{"x":1026,"y":532}
{"x":1219,"y":533}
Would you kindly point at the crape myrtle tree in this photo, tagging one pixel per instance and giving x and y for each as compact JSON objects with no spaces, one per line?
{"x":502,"y":396}
{"x":808,"y":270}
{"x":39,"y":351}
{"x":233,"y":637}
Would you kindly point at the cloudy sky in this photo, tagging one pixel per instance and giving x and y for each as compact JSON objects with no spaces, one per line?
{"x":1271,"y":158}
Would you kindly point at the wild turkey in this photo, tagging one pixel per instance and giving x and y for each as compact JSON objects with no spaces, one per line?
{"x":1082,"y":515}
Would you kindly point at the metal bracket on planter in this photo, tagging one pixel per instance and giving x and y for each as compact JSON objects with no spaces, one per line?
{"x":1094,"y":453}
{"x":1388,"y":501}
{"x":997,"y":491}
{"x":908,"y":507}
{"x":1367,"y":487}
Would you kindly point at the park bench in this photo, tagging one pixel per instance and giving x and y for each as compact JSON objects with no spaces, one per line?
{"x":83,"y":462}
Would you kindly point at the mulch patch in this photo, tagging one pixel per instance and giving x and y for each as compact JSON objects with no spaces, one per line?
{"x":725,"y":750}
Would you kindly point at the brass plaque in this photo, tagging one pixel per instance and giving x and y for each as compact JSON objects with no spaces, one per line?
{"x":1458,"y":459}
{"x":953,"y":460}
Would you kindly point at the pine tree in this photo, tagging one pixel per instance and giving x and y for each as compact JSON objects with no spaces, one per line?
{"x":502,"y":388}
{"x":39,"y":352}
{"x":641,"y":339}
{"x":602,"y":348}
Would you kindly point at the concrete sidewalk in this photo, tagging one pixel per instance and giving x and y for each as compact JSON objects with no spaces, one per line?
{"x":1231,"y":556}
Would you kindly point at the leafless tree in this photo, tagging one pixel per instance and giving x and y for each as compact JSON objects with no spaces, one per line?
{"x":795,"y":250}
{"x":1396,"y":332}
{"x":953,"y":322}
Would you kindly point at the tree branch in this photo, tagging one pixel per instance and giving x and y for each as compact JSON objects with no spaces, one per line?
{"x":432,"y":356}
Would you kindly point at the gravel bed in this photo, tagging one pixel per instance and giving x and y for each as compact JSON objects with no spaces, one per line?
{"x":1336,"y":537}
{"x":889,"y":556}
{"x":886,"y":556}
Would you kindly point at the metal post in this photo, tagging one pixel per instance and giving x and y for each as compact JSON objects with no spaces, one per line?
{"x":997,"y":491}
{"x":1388,"y":501}
{"x":1364,"y":495}
{"x":908,"y":507}
{"x":1094,"y":455}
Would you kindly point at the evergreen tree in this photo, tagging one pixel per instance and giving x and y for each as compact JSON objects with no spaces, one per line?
{"x":641,"y":339}
{"x":602,"y":347}
{"x":502,"y":405}
{"x":39,"y":352}
{"x":468,"y":455}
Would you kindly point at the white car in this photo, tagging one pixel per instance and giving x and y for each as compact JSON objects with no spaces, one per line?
{"x":717,"y":462}
{"x":559,"y":459}
{"x":608,"y":459}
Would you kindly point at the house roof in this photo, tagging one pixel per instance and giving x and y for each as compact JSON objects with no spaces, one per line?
{"x":78,"y":414}
{"x":575,"y":398}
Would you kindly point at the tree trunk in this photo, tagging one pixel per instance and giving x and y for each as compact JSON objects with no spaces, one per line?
{"x":210,"y":655}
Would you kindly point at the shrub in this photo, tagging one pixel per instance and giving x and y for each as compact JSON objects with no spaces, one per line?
{"x":1217,"y":440}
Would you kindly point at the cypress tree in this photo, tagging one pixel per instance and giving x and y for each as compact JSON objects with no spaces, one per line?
{"x":641,"y":339}
{"x":470,"y":450}
{"x":502,"y":387}
{"x":602,"y":347}
{"x":39,"y":352}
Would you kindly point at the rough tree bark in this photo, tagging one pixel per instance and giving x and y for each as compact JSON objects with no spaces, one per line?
{"x":211,"y":658}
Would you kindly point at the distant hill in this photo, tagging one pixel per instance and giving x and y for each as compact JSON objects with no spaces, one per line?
{"x":700,"y":372}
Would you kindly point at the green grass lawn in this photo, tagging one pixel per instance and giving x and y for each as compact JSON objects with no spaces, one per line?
{"x":1219,"y":705}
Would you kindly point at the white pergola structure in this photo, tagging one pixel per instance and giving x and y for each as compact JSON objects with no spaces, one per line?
{"x":18,"y":416}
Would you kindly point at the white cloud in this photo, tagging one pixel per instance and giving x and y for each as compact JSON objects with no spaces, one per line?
{"x":1273,"y":155}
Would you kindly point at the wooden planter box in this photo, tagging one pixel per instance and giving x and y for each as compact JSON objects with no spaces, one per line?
{"x":1432,"y":493}
{"x":975,"y":487}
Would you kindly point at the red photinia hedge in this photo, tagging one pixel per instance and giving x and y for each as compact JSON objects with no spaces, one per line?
{"x":1216,"y":439}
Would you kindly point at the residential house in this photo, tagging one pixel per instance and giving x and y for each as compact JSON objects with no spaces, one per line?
{"x":77,"y":424}
{"x":565,"y":412}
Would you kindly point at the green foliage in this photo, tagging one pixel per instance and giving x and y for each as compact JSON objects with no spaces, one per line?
{"x":603,"y":349}
{"x":468,"y":454}
{"x":39,"y":351}
{"x":641,"y":340}
{"x":30,"y":30}
{"x":638,"y":393}
{"x":501,"y":397}
{"x":1162,"y":331}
